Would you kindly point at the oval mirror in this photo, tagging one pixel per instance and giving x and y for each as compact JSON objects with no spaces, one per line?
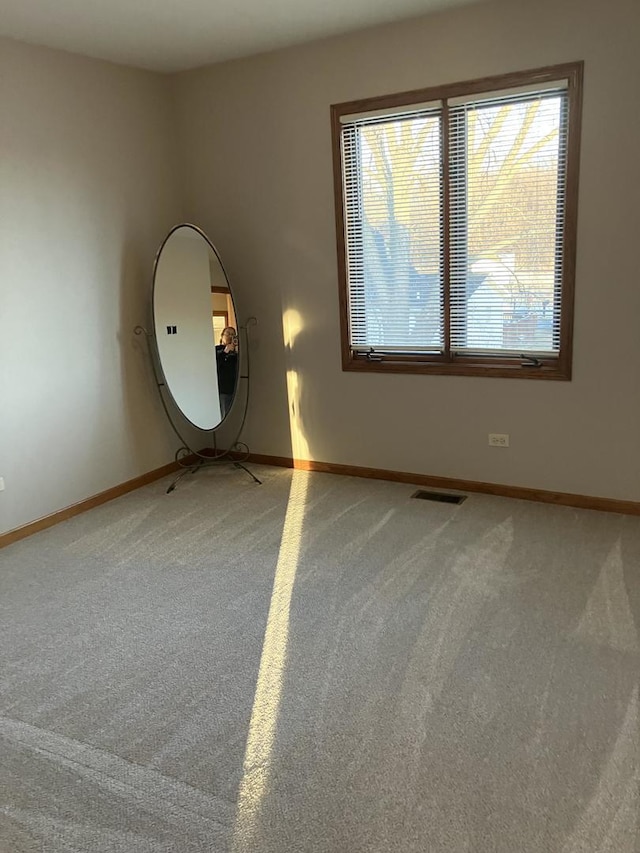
{"x":195,"y":327}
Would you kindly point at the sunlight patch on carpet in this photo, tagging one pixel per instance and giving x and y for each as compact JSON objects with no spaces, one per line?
{"x":264,"y":716}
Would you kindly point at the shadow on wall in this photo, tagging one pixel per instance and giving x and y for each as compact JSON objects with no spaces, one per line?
{"x":142,"y":406}
{"x":267,"y":413}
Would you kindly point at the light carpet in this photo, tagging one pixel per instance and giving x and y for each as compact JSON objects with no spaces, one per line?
{"x":320,"y":664}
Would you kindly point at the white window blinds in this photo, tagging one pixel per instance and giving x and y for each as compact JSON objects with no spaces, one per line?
{"x":393,"y":213}
{"x":479,"y":237}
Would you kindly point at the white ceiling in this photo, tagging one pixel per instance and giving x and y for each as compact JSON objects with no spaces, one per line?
{"x":172,"y":35}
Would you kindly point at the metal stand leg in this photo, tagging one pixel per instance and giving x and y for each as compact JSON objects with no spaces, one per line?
{"x":252,"y":475}
{"x":202,"y":463}
{"x":181,"y":475}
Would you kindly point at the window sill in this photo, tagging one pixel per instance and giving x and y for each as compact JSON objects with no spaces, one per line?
{"x":511,"y":369}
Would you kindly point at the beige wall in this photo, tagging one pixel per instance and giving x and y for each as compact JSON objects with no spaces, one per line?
{"x":87,"y":192}
{"x":91,"y":180}
{"x":255,"y":136}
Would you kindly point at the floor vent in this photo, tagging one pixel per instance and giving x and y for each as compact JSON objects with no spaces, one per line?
{"x":441,"y":497}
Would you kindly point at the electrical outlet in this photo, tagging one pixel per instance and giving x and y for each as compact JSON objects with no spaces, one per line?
{"x":1,"y":484}
{"x":498,"y":439}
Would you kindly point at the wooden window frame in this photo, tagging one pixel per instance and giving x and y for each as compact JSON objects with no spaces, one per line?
{"x":454,"y":363}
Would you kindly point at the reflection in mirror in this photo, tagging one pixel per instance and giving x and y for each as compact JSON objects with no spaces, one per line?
{"x":198,"y":357}
{"x":227,"y":368}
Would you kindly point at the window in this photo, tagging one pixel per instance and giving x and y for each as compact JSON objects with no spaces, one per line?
{"x":456,"y":219}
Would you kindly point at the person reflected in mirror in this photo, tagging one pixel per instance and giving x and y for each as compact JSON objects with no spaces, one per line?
{"x":227,"y":364}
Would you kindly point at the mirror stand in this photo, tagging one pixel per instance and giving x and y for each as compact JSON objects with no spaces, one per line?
{"x":186,"y":457}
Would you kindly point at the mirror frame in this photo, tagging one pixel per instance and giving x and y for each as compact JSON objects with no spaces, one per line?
{"x":162,"y":374}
